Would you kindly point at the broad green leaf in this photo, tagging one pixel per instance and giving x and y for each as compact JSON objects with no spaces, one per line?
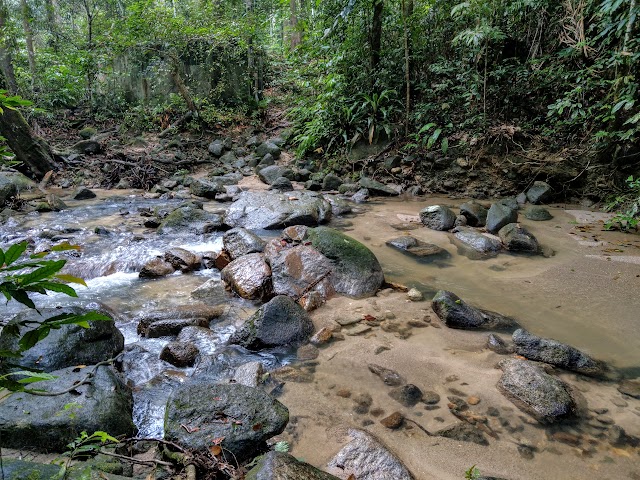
{"x":61,"y":247}
{"x":23,"y":298}
{"x":30,"y":338}
{"x":58,"y":287}
{"x":32,"y":377}
{"x":14,"y":252}
{"x":1,"y":258}
{"x":43,"y":272}
{"x":70,"y":279}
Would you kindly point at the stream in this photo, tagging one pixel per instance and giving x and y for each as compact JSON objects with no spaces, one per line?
{"x":583,"y":291}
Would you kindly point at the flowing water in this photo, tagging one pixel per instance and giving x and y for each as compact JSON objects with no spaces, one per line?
{"x":583,"y":291}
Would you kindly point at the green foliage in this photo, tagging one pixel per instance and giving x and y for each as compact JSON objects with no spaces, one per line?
{"x":628,"y":218}
{"x":472,"y":473}
{"x":20,"y":277}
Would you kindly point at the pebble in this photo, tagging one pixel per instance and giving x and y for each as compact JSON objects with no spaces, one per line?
{"x":358,"y":330}
{"x":415,"y":295}
{"x":493,"y":412}
{"x":619,"y":402}
{"x":408,"y":395}
{"x":526,"y":452}
{"x":376,"y":412}
{"x":307,"y":352}
{"x":367,"y":421}
{"x":388,"y":376}
{"x":566,"y":437}
{"x":389,"y":315}
{"x":430,"y":398}
{"x":363,"y":402}
{"x":379,"y":349}
{"x":605,"y":419}
{"x":473,"y":400}
{"x":432,"y":407}
{"x":600,"y":411}
{"x":347,"y":321}
{"x":417,"y":323}
{"x":393,"y":421}
{"x":344,"y":393}
{"x":322,"y":336}
{"x":457,"y":392}
{"x":456,"y":403}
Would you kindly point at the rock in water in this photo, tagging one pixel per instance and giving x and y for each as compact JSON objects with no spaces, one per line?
{"x":190,"y":219}
{"x":477,"y":241}
{"x":49,"y":423}
{"x":555,"y":353}
{"x":83,"y":193}
{"x":475,"y":214}
{"x":535,"y":392}
{"x":155,"y":268}
{"x":438,"y":217}
{"x":368,"y":459}
{"x":282,"y":466}
{"x":537,"y":213}
{"x":500,"y":215}
{"x":270,"y":210}
{"x":455,"y":313}
{"x":249,"y":276}
{"x":356,"y":270}
{"x":539,"y":192}
{"x":243,"y":417}
{"x":463,"y":432}
{"x":70,"y":345}
{"x":376,"y":188}
{"x":418,"y":248}
{"x":299,"y":270}
{"x":240,"y":241}
{"x":518,"y":239}
{"x":279,"y":322}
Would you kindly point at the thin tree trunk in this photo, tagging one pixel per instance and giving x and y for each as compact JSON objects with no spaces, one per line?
{"x":34,"y":153}
{"x":53,"y":21}
{"x":376,"y":34}
{"x":630,"y":24}
{"x":180,"y":85}
{"x":252,"y":64}
{"x":293,"y":20}
{"x":407,"y":11}
{"x":6,"y":60}
{"x":28,"y":34}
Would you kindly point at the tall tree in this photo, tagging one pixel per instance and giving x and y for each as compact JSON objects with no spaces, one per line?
{"x":28,"y":34}
{"x":6,"y":59}
{"x":375,"y":40}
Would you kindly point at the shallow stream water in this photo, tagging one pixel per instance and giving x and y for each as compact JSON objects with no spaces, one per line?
{"x":584,"y":291}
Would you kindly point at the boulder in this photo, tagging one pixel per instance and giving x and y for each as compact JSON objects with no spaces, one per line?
{"x":205,"y":188}
{"x":87,"y":147}
{"x":180,"y":354}
{"x":200,"y":312}
{"x":367,"y":458}
{"x":12,"y":183}
{"x":455,"y":313}
{"x":475,"y":214}
{"x":182,"y":259}
{"x":49,"y":423}
{"x":500,"y":215}
{"x":555,"y":353}
{"x":361,"y":196}
{"x":270,"y":210}
{"x":172,"y":326}
{"x":67,"y":346}
{"x":438,"y":217}
{"x":281,"y":184}
{"x":7,"y":191}
{"x":83,"y":193}
{"x":211,"y":292}
{"x":249,"y":276}
{"x":155,"y":268}
{"x":356,"y":270}
{"x":239,"y":418}
{"x":190,"y":219}
{"x":216,"y":148}
{"x":240,"y":241}
{"x":266,"y":161}
{"x":416,"y":247}
{"x":279,"y":322}
{"x":339,"y":205}
{"x":268,"y":147}
{"x":269,"y":174}
{"x":517,"y":239}
{"x":537,"y":213}
{"x":539,"y":192}
{"x":535,"y":392}
{"x":299,"y":270}
{"x":484,"y":244}
{"x":376,"y":188}
{"x":282,"y":466}
{"x":331,"y":182}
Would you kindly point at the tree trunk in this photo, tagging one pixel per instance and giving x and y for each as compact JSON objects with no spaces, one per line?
{"x":28,"y":34}
{"x":34,"y":153}
{"x":375,"y":40}
{"x":52,"y":20}
{"x":407,"y":11}
{"x":6,"y":61}
{"x":293,"y":20}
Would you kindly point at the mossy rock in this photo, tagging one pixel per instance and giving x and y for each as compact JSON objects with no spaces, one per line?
{"x":357,"y":272}
{"x":87,"y":132}
{"x":282,"y":466}
{"x":190,"y":220}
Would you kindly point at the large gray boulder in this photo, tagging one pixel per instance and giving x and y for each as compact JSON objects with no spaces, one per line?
{"x":282,"y":466}
{"x":70,"y":345}
{"x":12,"y":183}
{"x":376,"y":188}
{"x":268,"y":147}
{"x":279,"y":322}
{"x":270,"y":210}
{"x":455,"y":313}
{"x":240,"y":241}
{"x":475,"y":214}
{"x":517,"y":239}
{"x":168,"y":319}
{"x":271,"y":173}
{"x":555,"y":353}
{"x":438,"y":217}
{"x":49,"y":423}
{"x":482,"y":243}
{"x":249,"y":276}
{"x":532,"y":390}
{"x":241,"y":418}
{"x":205,"y":188}
{"x":189,"y":219}
{"x":537,"y":213}
{"x":356,"y":270}
{"x":500,"y":215}
{"x":539,"y":192}
{"x":299,"y":270}
{"x":367,"y":458}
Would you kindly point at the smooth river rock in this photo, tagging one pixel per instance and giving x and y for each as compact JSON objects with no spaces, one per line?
{"x":279,"y":322}
{"x":270,"y":210}
{"x":475,"y":213}
{"x":482,"y":243}
{"x":500,"y":215}
{"x":455,"y":313}
{"x":438,"y":217}
{"x":240,"y":241}
{"x":241,"y":418}
{"x":532,"y":390}
{"x":417,"y":248}
{"x":49,"y":423}
{"x":356,"y":270}
{"x":517,"y":239}
{"x":190,"y":219}
{"x":555,"y":353}
{"x":300,"y":270}
{"x":282,"y":466}
{"x":539,"y":192}
{"x":367,"y":458}
{"x":249,"y":276}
